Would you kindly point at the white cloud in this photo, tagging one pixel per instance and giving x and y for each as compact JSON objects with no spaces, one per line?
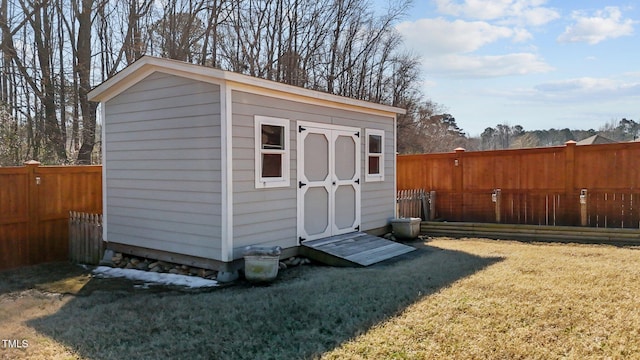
{"x":524,"y":12}
{"x":488,"y":66}
{"x":439,"y":36}
{"x":587,"y":90}
{"x":539,"y":16}
{"x":521,"y":35}
{"x":475,"y":9}
{"x":580,"y":84}
{"x":447,"y":47}
{"x":583,"y":91}
{"x":604,"y":24}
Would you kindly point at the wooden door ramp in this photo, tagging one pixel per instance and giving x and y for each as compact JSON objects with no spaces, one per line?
{"x":353,"y":249}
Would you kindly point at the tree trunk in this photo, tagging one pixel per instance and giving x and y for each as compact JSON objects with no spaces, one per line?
{"x":83,"y":68}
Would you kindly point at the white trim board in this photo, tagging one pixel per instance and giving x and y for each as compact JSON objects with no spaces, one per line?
{"x":226,"y":164}
{"x":103,"y":114}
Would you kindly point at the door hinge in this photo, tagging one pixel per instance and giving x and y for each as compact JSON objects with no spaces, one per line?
{"x":302,"y":239}
{"x":357,"y":228}
{"x":357,"y":181}
{"x":301,"y":129}
{"x":301,"y":184}
{"x":357,"y":134}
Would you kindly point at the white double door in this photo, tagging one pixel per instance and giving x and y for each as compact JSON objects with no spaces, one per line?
{"x":328,"y":180}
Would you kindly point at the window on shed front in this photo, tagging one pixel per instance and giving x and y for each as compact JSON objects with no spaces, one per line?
{"x":273,"y":149}
{"x":375,"y":155}
{"x":272,"y":153}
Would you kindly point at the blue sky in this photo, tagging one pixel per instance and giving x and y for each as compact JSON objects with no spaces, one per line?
{"x":536,"y":63}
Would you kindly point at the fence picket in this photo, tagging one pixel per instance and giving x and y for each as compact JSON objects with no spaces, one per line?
{"x":412,"y":203}
{"x":85,"y":238}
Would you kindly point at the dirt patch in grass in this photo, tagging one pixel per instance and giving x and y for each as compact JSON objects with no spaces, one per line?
{"x":39,"y":275}
{"x":306,"y":312}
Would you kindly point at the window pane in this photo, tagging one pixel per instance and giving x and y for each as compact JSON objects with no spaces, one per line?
{"x":374,"y":165}
{"x":375,"y":144}
{"x":271,"y":165}
{"x":272,"y":137}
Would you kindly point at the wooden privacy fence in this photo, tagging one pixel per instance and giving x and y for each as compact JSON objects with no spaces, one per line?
{"x":34,"y":210}
{"x":85,"y":238}
{"x":590,"y":185}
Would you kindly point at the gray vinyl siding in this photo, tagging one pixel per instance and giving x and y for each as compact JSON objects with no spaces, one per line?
{"x":163,"y":166}
{"x":268,"y":217}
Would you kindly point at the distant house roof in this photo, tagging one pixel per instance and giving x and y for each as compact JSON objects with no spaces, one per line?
{"x":595,"y":139}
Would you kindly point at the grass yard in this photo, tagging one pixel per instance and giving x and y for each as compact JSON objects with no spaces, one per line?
{"x":466,"y":299}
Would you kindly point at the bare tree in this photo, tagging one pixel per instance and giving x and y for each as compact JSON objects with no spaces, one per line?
{"x":34,"y":63}
{"x":177,"y":33}
{"x":12,"y":134}
{"x":83,"y":69}
{"x":58,"y":49}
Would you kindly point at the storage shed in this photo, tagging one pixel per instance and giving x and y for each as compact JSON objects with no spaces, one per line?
{"x":199,"y":163}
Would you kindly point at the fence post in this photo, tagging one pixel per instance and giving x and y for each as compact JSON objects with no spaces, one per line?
{"x":495,"y":197}
{"x":569,"y":163}
{"x":457,"y":170}
{"x":33,"y":212}
{"x":432,"y":205}
{"x":458,"y":183}
{"x":583,"y":207}
{"x":72,"y":242}
{"x":424,"y":202}
{"x":569,"y":182}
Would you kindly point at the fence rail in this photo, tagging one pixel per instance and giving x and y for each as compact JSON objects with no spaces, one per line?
{"x":34,"y":210}
{"x":591,"y":185}
{"x":85,"y":238}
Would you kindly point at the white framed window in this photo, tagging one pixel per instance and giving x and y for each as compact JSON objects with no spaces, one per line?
{"x":272,"y":152}
{"x":374,"y":160}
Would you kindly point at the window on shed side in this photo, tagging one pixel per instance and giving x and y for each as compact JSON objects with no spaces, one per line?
{"x":375,"y":155}
{"x":272,"y":152}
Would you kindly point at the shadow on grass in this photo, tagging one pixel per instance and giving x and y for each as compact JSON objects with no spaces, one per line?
{"x":307,"y":311}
